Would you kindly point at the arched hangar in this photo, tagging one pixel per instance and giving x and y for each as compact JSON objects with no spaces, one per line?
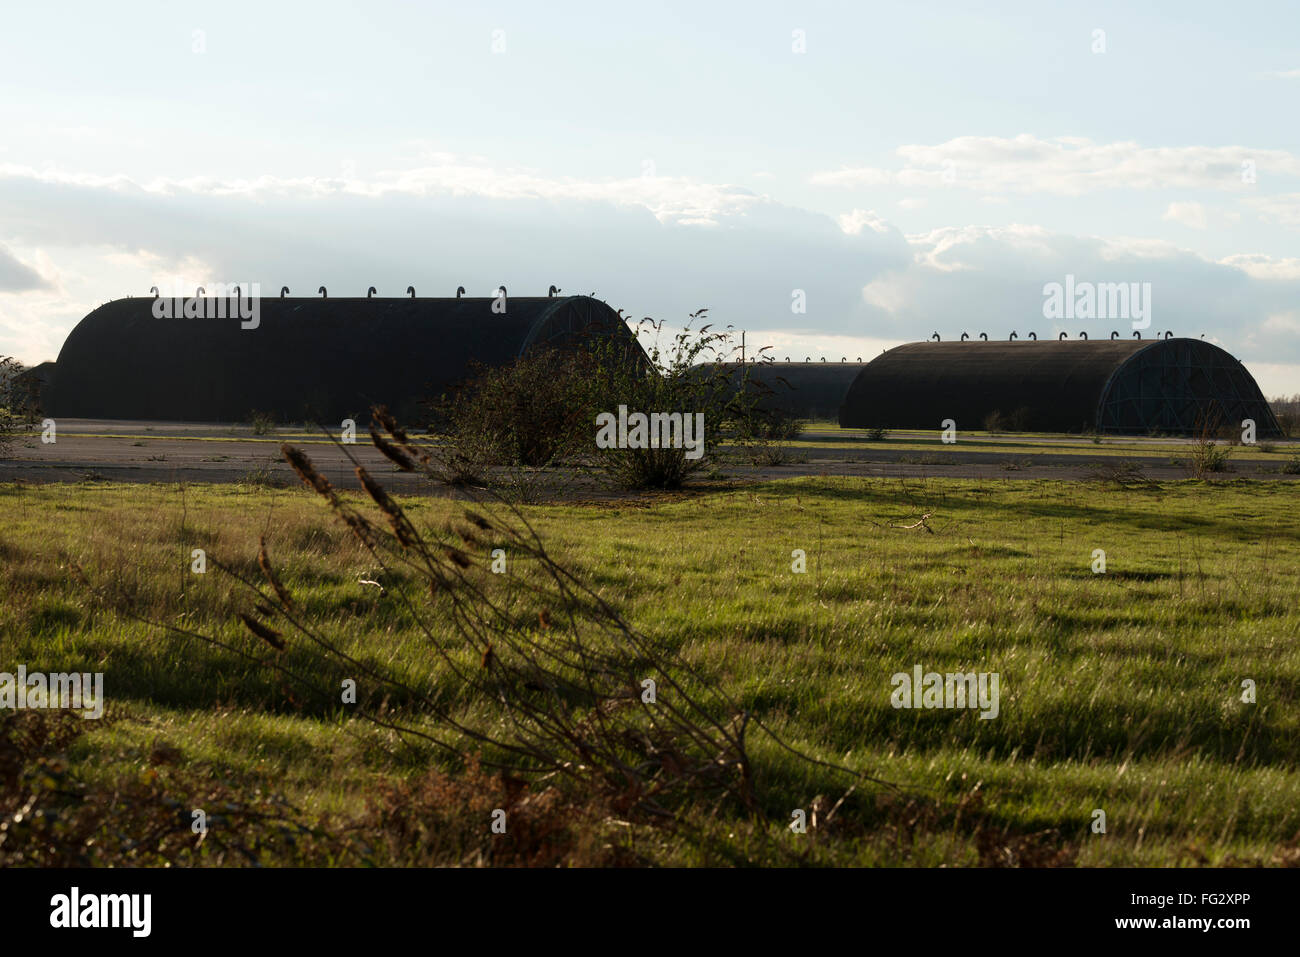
{"x":800,"y":390}
{"x":303,"y":359}
{"x":1119,"y":386}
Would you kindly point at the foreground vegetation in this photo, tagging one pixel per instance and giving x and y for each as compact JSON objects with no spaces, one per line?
{"x":1120,"y":691}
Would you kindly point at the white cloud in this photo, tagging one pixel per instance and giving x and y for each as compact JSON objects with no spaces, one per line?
{"x":670,"y":199}
{"x":17,"y":276}
{"x":1069,"y":166}
{"x":1274,"y":337}
{"x":1259,"y":266}
{"x":856,"y":220}
{"x":1283,"y":208}
{"x":1282,"y":323}
{"x":990,"y":279}
{"x":1276,"y":378}
{"x":1187,"y":213}
{"x":659,"y":247}
{"x":654,"y":246}
{"x":858,"y":176}
{"x":963,"y":248}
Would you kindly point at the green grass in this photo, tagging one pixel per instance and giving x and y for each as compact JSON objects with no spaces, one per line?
{"x":1119,"y":691}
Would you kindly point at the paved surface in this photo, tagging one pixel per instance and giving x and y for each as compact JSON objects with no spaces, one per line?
{"x":98,"y":450}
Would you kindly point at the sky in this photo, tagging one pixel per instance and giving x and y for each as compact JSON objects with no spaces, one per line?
{"x":834,"y":179}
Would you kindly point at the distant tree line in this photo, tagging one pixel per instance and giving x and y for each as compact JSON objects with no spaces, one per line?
{"x":1287,"y":411}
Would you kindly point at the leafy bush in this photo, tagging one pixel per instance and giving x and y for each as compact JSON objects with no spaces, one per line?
{"x":262,"y":476}
{"x":1018,"y":421}
{"x":760,"y":434}
{"x":542,"y":408}
{"x":15,"y":413}
{"x":999,"y":421}
{"x":263,"y":423}
{"x":1207,"y":454}
{"x":435,"y":821}
{"x":49,"y":817}
{"x":1210,"y":457}
{"x":531,"y":412}
{"x":672,"y":384}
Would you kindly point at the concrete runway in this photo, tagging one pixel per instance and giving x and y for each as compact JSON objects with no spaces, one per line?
{"x":121,"y":451}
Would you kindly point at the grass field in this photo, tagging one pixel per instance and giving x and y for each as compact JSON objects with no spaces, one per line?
{"x":1120,"y":691}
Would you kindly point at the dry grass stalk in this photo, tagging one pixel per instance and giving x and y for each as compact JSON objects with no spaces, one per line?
{"x":563,"y":674}
{"x":264,"y":563}
{"x":269,"y":635}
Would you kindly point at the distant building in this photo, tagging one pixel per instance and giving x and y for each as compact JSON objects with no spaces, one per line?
{"x":1120,"y":386}
{"x":307,"y":359}
{"x":800,"y":390}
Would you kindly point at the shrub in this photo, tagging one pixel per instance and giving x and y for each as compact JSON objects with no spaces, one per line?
{"x":774,"y":426}
{"x":1207,"y":454}
{"x":760,"y":435}
{"x":542,"y":408}
{"x":262,"y":476}
{"x":15,"y":413}
{"x":263,"y":423}
{"x":995,"y":422}
{"x":531,"y":412}
{"x":49,"y":817}
{"x":436,"y":821}
{"x":1018,"y":421}
{"x":1122,"y":474}
{"x":1210,"y":457}
{"x":666,"y":384}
